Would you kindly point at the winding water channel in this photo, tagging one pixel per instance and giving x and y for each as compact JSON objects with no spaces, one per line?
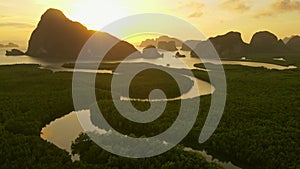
{"x":64,"y":130}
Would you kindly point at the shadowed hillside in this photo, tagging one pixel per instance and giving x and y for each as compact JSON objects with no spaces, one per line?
{"x":58,"y":37}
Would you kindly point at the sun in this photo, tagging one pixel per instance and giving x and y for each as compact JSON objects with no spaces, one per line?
{"x":96,"y":14}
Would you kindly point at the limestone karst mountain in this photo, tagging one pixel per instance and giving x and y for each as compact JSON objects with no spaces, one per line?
{"x":294,"y":43}
{"x":58,"y":37}
{"x":266,"y":42}
{"x":163,"y":40}
{"x":231,"y":45}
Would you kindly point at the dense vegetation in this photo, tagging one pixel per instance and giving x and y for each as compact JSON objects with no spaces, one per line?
{"x":259,"y":129}
{"x":93,"y":156}
{"x":260,"y":126}
{"x":30,"y":98}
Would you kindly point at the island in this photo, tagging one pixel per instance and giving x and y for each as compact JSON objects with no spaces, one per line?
{"x":14,"y":52}
{"x":58,"y":37}
{"x":150,"y":52}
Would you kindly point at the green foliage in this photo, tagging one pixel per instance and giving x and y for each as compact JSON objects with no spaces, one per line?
{"x":30,"y":98}
{"x":127,"y":127}
{"x":259,"y":129}
{"x":91,"y":154}
{"x":19,"y":151}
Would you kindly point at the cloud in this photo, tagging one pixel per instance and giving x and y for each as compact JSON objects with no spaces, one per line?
{"x":279,"y":6}
{"x":239,"y":6}
{"x":265,"y":13}
{"x":194,"y":5}
{"x":16,"y":25}
{"x":196,"y":14}
{"x":286,"y":5}
{"x":195,"y":8}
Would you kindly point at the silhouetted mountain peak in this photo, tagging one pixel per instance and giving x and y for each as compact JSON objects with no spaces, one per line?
{"x":286,"y":39}
{"x":266,"y":42}
{"x":294,"y":38}
{"x":262,"y":37}
{"x":151,"y":52}
{"x":58,"y":37}
{"x":56,"y":19}
{"x":229,"y":44}
{"x":294,"y":43}
{"x":163,"y":38}
{"x":229,"y":38}
{"x":190,"y":44}
{"x":232,"y":34}
{"x":53,"y":14}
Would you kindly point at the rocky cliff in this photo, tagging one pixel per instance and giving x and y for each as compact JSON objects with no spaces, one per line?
{"x":294,"y":43}
{"x":228,"y":45}
{"x":266,"y":42}
{"x":58,"y":37}
{"x":168,"y":46}
{"x":189,"y":45}
{"x":156,"y":41}
{"x":231,"y":45}
{"x":150,"y":52}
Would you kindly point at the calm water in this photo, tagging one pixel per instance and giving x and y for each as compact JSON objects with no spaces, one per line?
{"x":258,"y":64}
{"x":167,"y":60}
{"x":64,"y":130}
{"x":9,"y":60}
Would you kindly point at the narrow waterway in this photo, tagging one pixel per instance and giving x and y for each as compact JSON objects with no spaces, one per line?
{"x":66,"y":129}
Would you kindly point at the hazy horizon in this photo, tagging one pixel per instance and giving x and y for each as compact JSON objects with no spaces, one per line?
{"x":77,"y":98}
{"x":215,"y":17}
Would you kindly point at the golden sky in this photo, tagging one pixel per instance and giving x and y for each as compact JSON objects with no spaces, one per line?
{"x":18,"y":18}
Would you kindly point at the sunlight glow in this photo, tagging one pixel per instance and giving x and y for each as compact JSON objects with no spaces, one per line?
{"x":95,"y":14}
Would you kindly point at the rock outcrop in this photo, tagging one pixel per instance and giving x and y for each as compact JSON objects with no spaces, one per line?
{"x":150,"y":52}
{"x":178,"y":55}
{"x":168,"y":46}
{"x":155,"y":42}
{"x":266,"y":42}
{"x":228,"y":45}
{"x":231,"y":45}
{"x":286,"y":39}
{"x":189,"y":45}
{"x":14,"y":52}
{"x":148,"y":42}
{"x":178,"y":42}
{"x":294,"y":44}
{"x":58,"y":37}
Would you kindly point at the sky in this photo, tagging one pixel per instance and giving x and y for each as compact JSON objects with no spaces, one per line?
{"x":18,"y":18}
